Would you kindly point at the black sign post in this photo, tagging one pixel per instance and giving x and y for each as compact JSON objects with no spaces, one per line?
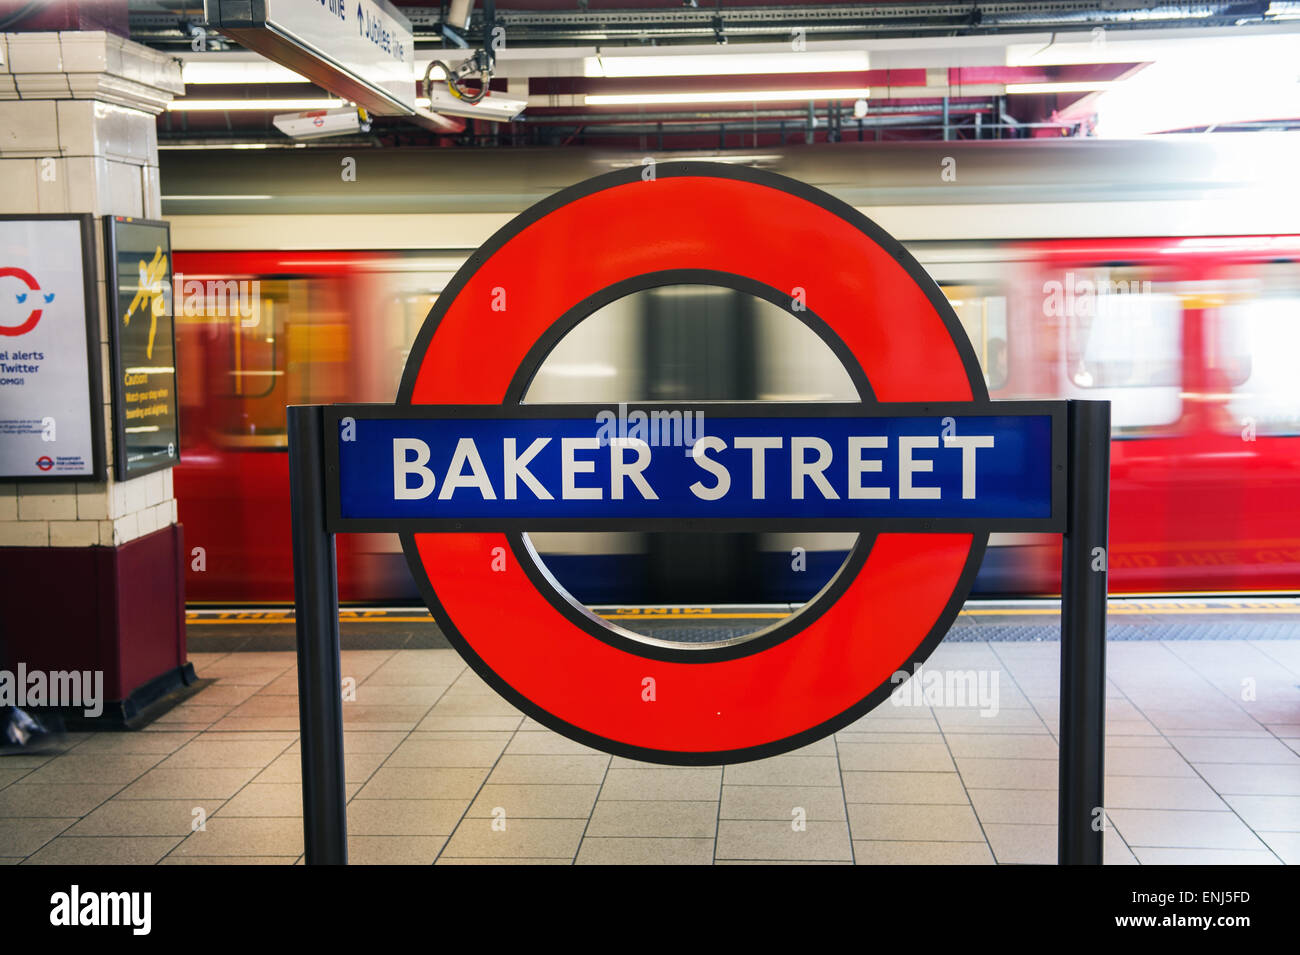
{"x":1081,"y":799}
{"x":316,"y":616}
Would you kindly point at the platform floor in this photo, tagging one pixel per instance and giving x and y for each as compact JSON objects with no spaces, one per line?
{"x":1203,"y":766}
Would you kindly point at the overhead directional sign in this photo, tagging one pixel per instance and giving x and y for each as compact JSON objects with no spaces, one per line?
{"x":361,"y":50}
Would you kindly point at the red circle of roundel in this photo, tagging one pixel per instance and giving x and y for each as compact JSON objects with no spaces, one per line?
{"x":890,"y":316}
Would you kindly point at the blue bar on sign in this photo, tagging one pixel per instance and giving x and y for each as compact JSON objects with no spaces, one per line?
{"x":780,"y":468}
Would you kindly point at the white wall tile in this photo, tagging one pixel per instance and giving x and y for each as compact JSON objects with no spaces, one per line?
{"x":126,"y":528}
{"x":34,"y":53}
{"x":49,"y":502}
{"x":167,"y":483}
{"x":137,"y":495}
{"x":8,"y":502}
{"x":125,"y":194}
{"x":147,"y":521}
{"x":42,"y":85}
{"x":18,"y":186}
{"x":24,"y":534}
{"x":92,"y":502}
{"x":29,"y":128}
{"x":84,"y":51}
{"x":107,"y":536}
{"x":78,"y":131}
{"x":74,"y":533}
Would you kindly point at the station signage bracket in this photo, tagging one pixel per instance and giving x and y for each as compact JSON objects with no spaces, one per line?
{"x":923,"y":467}
{"x":360,"y":50}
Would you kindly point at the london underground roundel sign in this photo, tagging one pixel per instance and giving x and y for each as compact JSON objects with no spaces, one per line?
{"x":923,"y":467}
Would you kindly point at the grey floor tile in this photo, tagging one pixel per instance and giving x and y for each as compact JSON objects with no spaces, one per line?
{"x":447,"y":752}
{"x":130,"y":744}
{"x":1148,"y":855}
{"x":214,"y":752}
{"x":229,"y":860}
{"x":105,"y":768}
{"x":755,"y":839}
{"x":519,"y":838}
{"x":1003,"y":745}
{"x":401,"y":783}
{"x":1022,"y":844}
{"x":782,"y":803}
{"x":1271,"y":813}
{"x":1241,"y":779}
{"x":914,"y":823}
{"x":546,"y":744}
{"x":265,"y":800}
{"x":536,"y":800}
{"x":1186,"y":829}
{"x":784,"y":771}
{"x":445,"y":860}
{"x":393,"y":850}
{"x":981,"y":773}
{"x":651,"y":818}
{"x":436,"y":721}
{"x":923,"y":757}
{"x":145,"y":817}
{"x":1011,"y":806}
{"x":404,"y":817}
{"x":62,"y":799}
{"x":187,"y":783}
{"x":235,"y":836}
{"x":550,"y":769}
{"x":1205,"y":749}
{"x":1286,"y":845}
{"x":663,"y":782}
{"x":618,"y":851}
{"x":1161,"y":792}
{"x":104,"y":850}
{"x":921,"y":853}
{"x":22,"y":837}
{"x":900,"y":787}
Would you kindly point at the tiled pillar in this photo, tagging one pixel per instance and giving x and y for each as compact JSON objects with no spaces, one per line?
{"x":78,"y":135}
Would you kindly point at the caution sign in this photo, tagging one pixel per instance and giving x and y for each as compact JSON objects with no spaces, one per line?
{"x":923,"y":467}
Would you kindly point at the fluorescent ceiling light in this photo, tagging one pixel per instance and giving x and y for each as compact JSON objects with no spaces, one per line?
{"x":208,"y":72}
{"x":237,"y":105}
{"x":726,"y":96}
{"x":213,"y":198}
{"x":715,"y":64}
{"x":1087,"y":86}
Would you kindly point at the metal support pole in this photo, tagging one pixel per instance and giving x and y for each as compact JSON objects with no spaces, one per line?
{"x":316,"y":616}
{"x":1084,"y":556}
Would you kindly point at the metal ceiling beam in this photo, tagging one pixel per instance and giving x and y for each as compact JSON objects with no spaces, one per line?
{"x":153,"y":23}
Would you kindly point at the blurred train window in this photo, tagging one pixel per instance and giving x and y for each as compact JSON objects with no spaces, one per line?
{"x":983,"y":315}
{"x":1123,"y":342}
{"x":1252,"y":352}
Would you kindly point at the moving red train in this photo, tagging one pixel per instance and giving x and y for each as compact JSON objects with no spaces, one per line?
{"x":1193,"y":338}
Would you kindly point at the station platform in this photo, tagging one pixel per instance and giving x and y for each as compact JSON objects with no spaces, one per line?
{"x":1202,"y":756}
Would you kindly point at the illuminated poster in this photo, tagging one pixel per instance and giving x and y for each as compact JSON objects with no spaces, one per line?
{"x":145,"y":420}
{"x":51,"y":425}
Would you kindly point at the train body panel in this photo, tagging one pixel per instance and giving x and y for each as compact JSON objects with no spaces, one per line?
{"x":1191,"y":337}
